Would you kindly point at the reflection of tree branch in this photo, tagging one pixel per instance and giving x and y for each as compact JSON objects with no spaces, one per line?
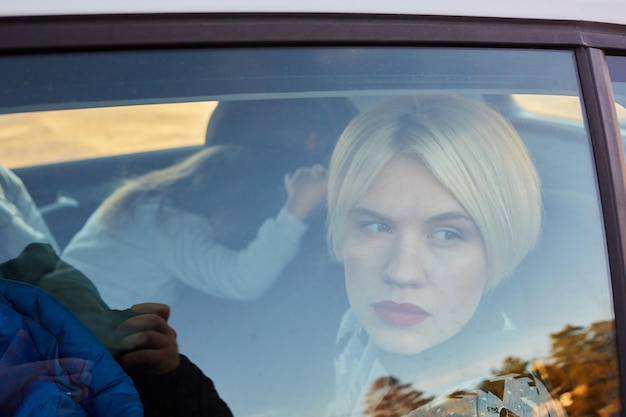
{"x":583,"y":365}
{"x":511,"y":365}
{"x":389,"y":398}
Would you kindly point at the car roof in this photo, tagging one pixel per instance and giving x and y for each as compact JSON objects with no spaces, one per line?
{"x":607,"y":11}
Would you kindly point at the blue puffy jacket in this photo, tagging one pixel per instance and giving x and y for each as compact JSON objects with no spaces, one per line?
{"x":52,"y":365}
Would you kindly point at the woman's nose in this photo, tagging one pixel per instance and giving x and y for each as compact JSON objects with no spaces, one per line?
{"x":405,"y":266}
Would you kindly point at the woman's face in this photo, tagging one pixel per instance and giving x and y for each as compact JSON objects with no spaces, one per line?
{"x":415,"y":261}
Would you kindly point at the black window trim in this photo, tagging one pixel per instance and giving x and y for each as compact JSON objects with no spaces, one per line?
{"x":39,"y":33}
{"x":608,"y":151}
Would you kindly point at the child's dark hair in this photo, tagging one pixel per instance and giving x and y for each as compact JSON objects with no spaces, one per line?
{"x":217,"y":183}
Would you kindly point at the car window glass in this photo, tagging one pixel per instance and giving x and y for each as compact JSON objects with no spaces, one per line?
{"x":66,"y":135}
{"x":565,"y":107}
{"x":453,"y":276}
{"x":617,"y":70}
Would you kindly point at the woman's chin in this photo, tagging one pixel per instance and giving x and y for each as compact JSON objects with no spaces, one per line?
{"x":399,"y":346}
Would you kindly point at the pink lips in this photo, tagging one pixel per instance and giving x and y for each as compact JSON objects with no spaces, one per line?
{"x":404,"y":314}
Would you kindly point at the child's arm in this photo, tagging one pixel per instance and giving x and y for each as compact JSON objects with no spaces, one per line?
{"x":306,"y":190}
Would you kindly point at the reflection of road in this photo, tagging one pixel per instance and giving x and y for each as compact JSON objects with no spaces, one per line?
{"x":54,"y":136}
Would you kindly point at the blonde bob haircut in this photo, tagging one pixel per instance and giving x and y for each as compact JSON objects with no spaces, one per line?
{"x":472,"y":150}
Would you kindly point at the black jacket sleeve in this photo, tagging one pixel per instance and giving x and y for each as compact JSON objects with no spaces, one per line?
{"x":184,"y":392}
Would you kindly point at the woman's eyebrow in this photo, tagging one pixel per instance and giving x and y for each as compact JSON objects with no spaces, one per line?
{"x":369,"y":213}
{"x":435,"y":219}
{"x":450,"y":215}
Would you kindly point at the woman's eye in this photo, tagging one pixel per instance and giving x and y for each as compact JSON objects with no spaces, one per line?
{"x":377,"y":227}
{"x":446,"y":235}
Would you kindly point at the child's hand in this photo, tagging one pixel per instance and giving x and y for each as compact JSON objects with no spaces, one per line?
{"x":149,"y":341}
{"x":306,"y":189}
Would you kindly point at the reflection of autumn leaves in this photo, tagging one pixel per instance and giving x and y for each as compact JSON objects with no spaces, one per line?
{"x":389,"y":398}
{"x":581,"y":371}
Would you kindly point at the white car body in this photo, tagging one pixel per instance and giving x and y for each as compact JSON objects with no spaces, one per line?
{"x":607,"y":11}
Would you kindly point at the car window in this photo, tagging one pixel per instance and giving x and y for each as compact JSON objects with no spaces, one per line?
{"x":457,"y":258}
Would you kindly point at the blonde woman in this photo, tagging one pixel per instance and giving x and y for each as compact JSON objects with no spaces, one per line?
{"x":432,"y":202}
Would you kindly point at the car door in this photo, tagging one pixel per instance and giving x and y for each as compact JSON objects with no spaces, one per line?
{"x":298,"y":349}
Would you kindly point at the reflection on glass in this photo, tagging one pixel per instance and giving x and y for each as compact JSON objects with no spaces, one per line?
{"x":583,"y":386}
